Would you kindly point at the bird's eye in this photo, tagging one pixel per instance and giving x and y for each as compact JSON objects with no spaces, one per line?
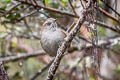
{"x":48,"y":23}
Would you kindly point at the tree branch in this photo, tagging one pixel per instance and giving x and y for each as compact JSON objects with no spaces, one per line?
{"x":110,"y":7}
{"x":63,"y":47}
{"x":48,"y":8}
{"x":108,"y":15}
{"x":41,"y":71}
{"x":72,"y":7}
{"x":102,"y":24}
{"x":21,"y":56}
{"x":3,"y":73}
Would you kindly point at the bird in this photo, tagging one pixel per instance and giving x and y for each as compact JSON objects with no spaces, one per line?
{"x":51,"y":36}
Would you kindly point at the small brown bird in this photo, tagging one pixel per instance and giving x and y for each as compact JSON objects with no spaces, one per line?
{"x":51,"y":36}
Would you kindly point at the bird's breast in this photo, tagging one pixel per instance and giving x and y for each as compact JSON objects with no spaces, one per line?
{"x":51,"y":40}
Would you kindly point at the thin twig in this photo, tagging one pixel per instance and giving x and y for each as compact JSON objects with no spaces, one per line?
{"x":102,"y":24}
{"x":49,"y":9}
{"x":33,"y":12}
{"x":41,"y":71}
{"x":72,"y":7}
{"x":108,"y":15}
{"x":110,"y":7}
{"x":15,"y":6}
{"x":21,"y":56}
{"x":27,"y":15}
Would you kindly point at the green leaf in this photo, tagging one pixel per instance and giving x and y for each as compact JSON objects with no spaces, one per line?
{"x":9,"y":16}
{"x":64,"y":2}
{"x":3,"y":8}
{"x":100,"y":3}
{"x":92,"y":78}
{"x":14,"y":42}
{"x":17,"y":15}
{"x":6,"y":1}
{"x":118,"y":68}
{"x":22,"y":6}
{"x":47,"y":2}
{"x":13,"y":16}
{"x":16,"y":9}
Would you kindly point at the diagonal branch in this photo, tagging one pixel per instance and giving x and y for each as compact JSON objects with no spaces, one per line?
{"x":111,"y":8}
{"x":108,"y":15}
{"x":106,"y":26}
{"x":63,"y":47}
{"x":72,"y":7}
{"x":41,"y":71}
